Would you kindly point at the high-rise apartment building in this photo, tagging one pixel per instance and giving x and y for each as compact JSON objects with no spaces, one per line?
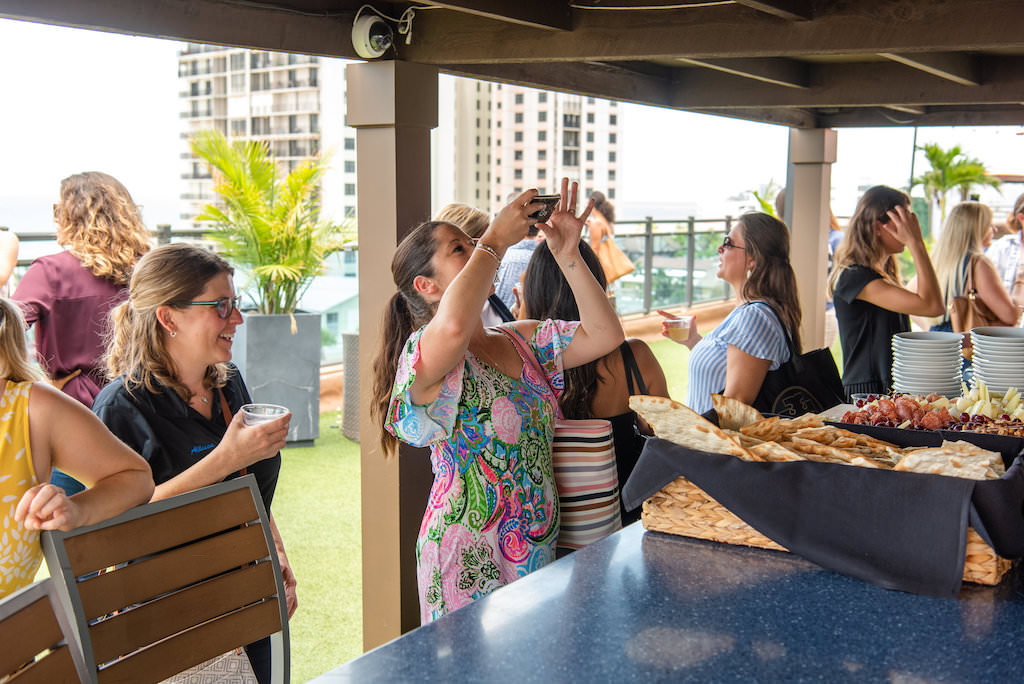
{"x":509,"y":138}
{"x":295,"y":103}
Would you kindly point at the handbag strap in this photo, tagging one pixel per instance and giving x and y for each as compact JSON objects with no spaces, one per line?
{"x":530,"y":358}
{"x":970,"y":278}
{"x":789,"y":340}
{"x":632,"y":369}
{"x":225,"y":411}
{"x":499,"y":307}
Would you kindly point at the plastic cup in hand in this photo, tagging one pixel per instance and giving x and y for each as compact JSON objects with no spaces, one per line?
{"x":254,"y":414}
{"x":679,"y":328}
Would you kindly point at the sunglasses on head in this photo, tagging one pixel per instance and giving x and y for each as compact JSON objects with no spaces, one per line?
{"x":885,"y":218}
{"x":225,"y":305}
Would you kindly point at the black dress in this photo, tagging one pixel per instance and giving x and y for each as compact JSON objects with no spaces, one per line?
{"x":628,"y":441}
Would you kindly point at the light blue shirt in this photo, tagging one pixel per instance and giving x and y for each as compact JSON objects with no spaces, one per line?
{"x":515,"y":261}
{"x":752,"y":328}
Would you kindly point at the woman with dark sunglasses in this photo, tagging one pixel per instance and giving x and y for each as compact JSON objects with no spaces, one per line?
{"x":872,"y":303}
{"x":734,"y":358}
{"x":174,"y":396}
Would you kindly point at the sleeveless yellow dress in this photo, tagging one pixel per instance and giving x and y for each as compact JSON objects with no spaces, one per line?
{"x":20,"y":552}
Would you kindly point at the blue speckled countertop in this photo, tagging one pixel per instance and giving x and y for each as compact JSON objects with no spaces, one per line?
{"x":649,"y":607}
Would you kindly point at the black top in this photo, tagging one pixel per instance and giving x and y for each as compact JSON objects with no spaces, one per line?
{"x":865,"y":331}
{"x":171,"y":435}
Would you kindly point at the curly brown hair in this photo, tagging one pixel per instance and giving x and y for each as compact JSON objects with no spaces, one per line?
{"x":101,"y":225}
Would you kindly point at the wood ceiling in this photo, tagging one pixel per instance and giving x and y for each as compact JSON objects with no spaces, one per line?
{"x":802,"y":63}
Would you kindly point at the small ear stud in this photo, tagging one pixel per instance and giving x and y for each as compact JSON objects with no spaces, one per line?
{"x":173,"y":334}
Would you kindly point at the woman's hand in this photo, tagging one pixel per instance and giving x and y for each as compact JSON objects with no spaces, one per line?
{"x":47,"y":507}
{"x":512,"y":223}
{"x":562,"y":231}
{"x":692,"y":338}
{"x":903,"y":226}
{"x":248,"y":444}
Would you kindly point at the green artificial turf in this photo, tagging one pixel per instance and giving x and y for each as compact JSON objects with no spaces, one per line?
{"x":317,"y":509}
{"x":674,"y":359}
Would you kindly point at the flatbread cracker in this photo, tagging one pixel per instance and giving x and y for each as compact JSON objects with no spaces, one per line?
{"x":733,"y":414}
{"x":677,"y":423}
{"x":775,"y":452}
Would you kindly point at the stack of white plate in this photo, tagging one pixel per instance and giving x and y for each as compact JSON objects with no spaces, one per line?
{"x":999,"y":357}
{"x":926,"y":363}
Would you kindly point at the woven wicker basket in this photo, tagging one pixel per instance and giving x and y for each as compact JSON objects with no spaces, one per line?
{"x":683,"y":508}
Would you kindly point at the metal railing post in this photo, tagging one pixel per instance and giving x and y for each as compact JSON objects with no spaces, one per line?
{"x":691,"y":247}
{"x":648,"y":262}
{"x":728,"y":228}
{"x":163,"y":233}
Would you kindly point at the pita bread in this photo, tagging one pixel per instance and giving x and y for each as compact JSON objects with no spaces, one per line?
{"x":677,"y":423}
{"x":733,"y":414}
{"x":775,"y":452}
{"x":954,"y":459}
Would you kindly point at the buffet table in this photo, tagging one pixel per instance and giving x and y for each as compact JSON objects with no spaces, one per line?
{"x":645,"y":606}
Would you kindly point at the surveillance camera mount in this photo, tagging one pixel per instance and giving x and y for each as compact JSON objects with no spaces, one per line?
{"x":371,"y":34}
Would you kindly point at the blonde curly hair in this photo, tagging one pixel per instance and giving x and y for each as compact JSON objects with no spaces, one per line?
{"x":101,"y":225}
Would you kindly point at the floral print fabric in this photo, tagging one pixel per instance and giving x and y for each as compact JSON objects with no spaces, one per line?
{"x":492,"y":515}
{"x":20,"y":552}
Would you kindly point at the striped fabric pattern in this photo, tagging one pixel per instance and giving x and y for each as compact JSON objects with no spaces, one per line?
{"x":583,"y":455}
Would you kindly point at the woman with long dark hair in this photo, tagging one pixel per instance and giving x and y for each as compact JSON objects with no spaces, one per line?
{"x":601,"y":388}
{"x":757,"y":336}
{"x":445,"y":381}
{"x":872,"y":303}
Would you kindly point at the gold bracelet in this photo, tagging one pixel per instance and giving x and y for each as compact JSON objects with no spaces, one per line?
{"x":489,"y":250}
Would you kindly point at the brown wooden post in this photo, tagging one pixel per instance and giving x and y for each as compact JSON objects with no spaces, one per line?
{"x":393,"y":106}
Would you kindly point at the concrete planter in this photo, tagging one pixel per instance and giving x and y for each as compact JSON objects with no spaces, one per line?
{"x":282,"y":368}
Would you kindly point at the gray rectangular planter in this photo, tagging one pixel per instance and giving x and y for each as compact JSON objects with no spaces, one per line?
{"x":281,"y":368}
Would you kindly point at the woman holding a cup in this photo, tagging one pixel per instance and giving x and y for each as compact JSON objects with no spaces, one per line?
{"x":174,"y":396}
{"x":734,"y":358}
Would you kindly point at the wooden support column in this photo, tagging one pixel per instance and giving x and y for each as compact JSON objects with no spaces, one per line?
{"x":393,"y":106}
{"x":808,"y":197}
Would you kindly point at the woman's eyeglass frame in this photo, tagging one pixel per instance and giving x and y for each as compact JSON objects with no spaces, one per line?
{"x":225,"y":305}
{"x":727,"y":243}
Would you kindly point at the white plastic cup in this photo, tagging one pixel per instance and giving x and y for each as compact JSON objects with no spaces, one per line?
{"x":679,"y":328}
{"x":255,"y":414}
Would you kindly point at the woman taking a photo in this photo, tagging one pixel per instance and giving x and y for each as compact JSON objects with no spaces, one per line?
{"x":445,"y":381}
{"x":174,"y":396}
{"x":734,"y":358}
{"x":52,"y":429}
{"x":601,"y":388}
{"x":871,"y":301}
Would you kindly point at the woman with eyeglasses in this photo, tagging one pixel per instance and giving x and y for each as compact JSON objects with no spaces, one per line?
{"x":734,"y":358}
{"x":872,"y":303}
{"x":174,"y":396}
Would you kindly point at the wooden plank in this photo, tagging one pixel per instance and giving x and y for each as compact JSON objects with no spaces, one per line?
{"x":790,"y":10}
{"x":195,"y":646}
{"x":933,"y":116}
{"x":26,"y":633}
{"x":168,"y":615}
{"x":544,"y":14}
{"x":170,"y":571}
{"x":790,"y":117}
{"x":56,"y":666}
{"x":107,"y":546}
{"x":952,"y":66}
{"x":783,"y":72}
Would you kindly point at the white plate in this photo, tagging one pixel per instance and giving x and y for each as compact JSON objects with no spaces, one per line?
{"x":926,"y":337}
{"x":937,"y":354}
{"x":999,"y":333}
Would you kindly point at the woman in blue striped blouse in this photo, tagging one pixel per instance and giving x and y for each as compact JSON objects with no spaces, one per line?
{"x":734,"y":358}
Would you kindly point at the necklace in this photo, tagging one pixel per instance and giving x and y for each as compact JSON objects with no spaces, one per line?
{"x":204,"y":400}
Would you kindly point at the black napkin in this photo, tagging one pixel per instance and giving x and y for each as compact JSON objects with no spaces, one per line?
{"x":903,"y":531}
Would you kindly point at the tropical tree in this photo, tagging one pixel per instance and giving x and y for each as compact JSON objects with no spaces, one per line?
{"x":765,"y":196}
{"x":951,"y":169}
{"x":266,"y":224}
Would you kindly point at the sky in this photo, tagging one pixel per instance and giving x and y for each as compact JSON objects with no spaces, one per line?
{"x":80,"y":100}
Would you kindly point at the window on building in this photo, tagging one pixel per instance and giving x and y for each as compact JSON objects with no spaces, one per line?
{"x":542,"y":116}
{"x":350,"y":143}
{"x":517,"y":190}
{"x":591,"y":100}
{"x":519,"y":98}
{"x":518,"y":174}
{"x":350,"y":166}
{"x":571,"y":120}
{"x":478,"y":140}
{"x":518,"y":155}
{"x":571,"y":138}
{"x":237,"y":82}
{"x":611,"y":156}
{"x":477,"y":157}
{"x":259,"y":81}
{"x":611,"y":138}
{"x":518,"y":137}
{"x":314,"y":123}
{"x":542,"y":97}
{"x":478,"y":122}
{"x":237,"y":61}
{"x":613,"y":119}
{"x":542,"y":136}
{"x":542,"y":174}
{"x":590,"y":155}
{"x":611,"y":174}
{"x":570,"y":157}
{"x":350,"y":189}
{"x":260,"y":125}
{"x":293,"y":123}
{"x":590,"y":117}
{"x":478,"y":101}
{"x":590,"y":174}
{"x":519,"y":117}
{"x":478,"y":176}
{"x":542,"y":155}
{"x":499,"y":123}
{"x":611,"y":193}
{"x":590,"y":136}
{"x":238,"y":127}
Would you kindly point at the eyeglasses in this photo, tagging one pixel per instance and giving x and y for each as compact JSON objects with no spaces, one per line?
{"x":225,"y":305}
{"x":727,"y":243}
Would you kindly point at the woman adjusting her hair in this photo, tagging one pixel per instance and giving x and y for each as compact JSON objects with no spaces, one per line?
{"x":445,"y":381}
{"x":734,"y":358}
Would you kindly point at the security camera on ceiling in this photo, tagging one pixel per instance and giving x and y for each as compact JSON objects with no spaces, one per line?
{"x":371,"y":36}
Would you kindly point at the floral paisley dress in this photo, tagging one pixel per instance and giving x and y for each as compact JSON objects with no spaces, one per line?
{"x":492,"y":515}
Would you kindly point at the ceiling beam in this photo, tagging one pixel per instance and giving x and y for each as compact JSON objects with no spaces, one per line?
{"x":544,"y":14}
{"x":202,"y":22}
{"x":851,"y":85}
{"x":782,"y":72}
{"x":791,"y":10}
{"x":794,"y":118}
{"x":952,"y":66}
{"x":934,"y":116}
{"x":894,"y":26}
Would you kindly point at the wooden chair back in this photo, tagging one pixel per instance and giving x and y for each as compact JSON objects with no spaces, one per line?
{"x":34,"y":639}
{"x":173,"y":583}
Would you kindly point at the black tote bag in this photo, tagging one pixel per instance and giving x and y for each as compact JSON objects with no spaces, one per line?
{"x":807,"y":383}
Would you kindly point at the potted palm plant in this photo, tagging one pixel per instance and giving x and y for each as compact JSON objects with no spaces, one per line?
{"x":268,"y":225}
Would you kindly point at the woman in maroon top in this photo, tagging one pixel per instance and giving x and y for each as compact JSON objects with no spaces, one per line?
{"x":67,"y":296}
